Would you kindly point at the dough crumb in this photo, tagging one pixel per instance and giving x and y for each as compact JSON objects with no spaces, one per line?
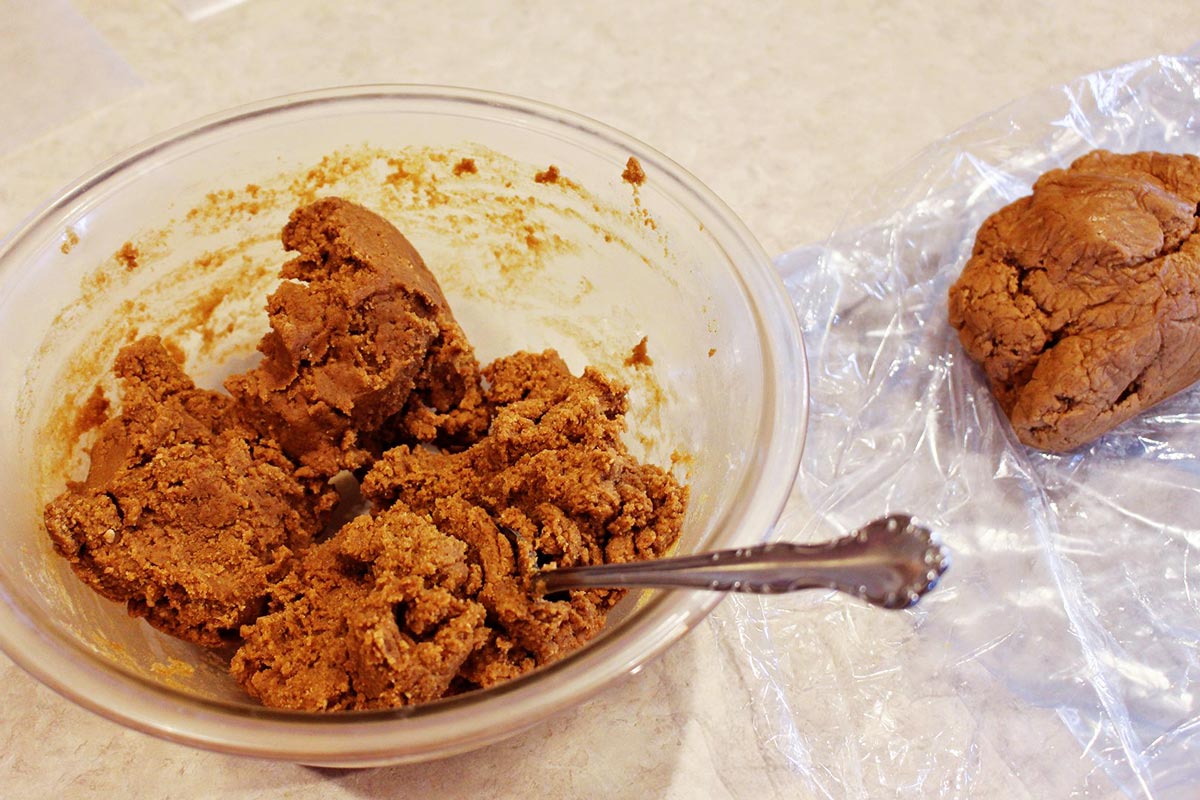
{"x":548,"y":175}
{"x":633,"y":173}
{"x":128,"y":256}
{"x":70,"y":239}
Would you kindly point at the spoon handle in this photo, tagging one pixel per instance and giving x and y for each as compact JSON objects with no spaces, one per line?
{"x":889,"y":562}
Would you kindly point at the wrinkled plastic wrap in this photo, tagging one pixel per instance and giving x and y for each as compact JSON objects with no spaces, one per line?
{"x":1061,"y":655}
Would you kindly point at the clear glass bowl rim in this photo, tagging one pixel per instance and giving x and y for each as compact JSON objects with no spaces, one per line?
{"x":478,"y":718}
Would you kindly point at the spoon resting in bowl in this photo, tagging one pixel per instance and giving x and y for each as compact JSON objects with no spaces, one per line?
{"x":889,"y":562}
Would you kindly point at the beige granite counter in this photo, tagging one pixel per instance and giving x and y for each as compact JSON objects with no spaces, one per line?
{"x":785,"y":109}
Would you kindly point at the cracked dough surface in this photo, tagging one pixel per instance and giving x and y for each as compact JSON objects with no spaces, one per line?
{"x":1080,"y":301}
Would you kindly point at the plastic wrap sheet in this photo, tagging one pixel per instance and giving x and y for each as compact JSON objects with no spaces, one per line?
{"x":1061,"y":655}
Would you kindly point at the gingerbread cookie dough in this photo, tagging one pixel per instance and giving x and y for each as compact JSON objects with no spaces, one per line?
{"x":1080,"y":301}
{"x":375,"y":617}
{"x":206,"y":512}
{"x":431,"y":595}
{"x":187,"y":514}
{"x":363,"y":350}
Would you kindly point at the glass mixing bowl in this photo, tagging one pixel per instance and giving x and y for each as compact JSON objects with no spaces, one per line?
{"x":180,"y":237}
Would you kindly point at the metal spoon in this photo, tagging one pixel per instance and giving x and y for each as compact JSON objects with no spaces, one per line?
{"x":890,"y":562}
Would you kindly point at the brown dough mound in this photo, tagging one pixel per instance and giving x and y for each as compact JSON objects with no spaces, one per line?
{"x":362,"y":347}
{"x":373,"y":618}
{"x":431,"y":596}
{"x":186,"y":514}
{"x":554,"y":472}
{"x":1080,"y":301}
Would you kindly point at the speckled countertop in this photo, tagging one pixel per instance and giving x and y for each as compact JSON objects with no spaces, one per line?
{"x":785,"y":109}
